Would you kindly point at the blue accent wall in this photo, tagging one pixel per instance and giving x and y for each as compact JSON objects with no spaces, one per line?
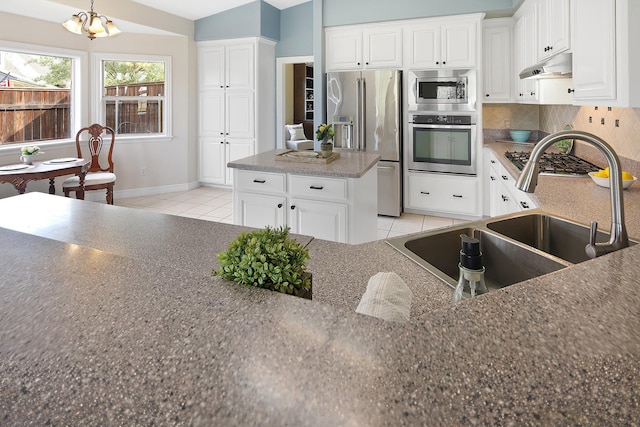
{"x":296,"y":31}
{"x":269,"y":21}
{"x":242,"y":21}
{"x":344,"y":12}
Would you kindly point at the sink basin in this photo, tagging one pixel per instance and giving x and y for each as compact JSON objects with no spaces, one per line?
{"x":556,"y":236}
{"x":505,"y":262}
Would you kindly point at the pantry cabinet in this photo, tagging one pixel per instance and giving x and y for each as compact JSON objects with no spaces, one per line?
{"x":337,"y":209}
{"x":235,"y":107}
{"x":363,"y":47}
{"x":441,"y":43}
{"x":497,"y":69}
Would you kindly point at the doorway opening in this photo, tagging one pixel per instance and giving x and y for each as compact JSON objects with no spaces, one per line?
{"x":294,"y":96}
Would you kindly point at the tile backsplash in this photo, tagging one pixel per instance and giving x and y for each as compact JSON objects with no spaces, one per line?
{"x":623,"y":136}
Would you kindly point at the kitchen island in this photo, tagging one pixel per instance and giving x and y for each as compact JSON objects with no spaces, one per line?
{"x":109,"y":316}
{"x":335,"y":201}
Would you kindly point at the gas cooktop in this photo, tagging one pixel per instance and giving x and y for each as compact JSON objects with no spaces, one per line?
{"x":553,"y":163}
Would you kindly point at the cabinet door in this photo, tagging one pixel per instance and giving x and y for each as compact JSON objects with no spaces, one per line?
{"x":240,"y":120}
{"x":240,"y":66}
{"x":497,"y":63}
{"x":211,"y":67}
{"x":422,"y":46}
{"x":343,"y":49}
{"x":524,"y":51}
{"x":553,"y":27}
{"x":212,"y":160}
{"x":594,"y":49}
{"x":237,"y":149}
{"x":211,"y":113}
{"x":458,"y":44}
{"x":382,"y":47}
{"x":323,"y":220}
{"x":259,"y":210}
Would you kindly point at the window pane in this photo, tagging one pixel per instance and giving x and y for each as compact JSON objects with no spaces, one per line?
{"x":134,"y":96}
{"x":35,"y":97}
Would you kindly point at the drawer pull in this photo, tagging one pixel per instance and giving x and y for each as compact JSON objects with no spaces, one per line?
{"x":279,"y":205}
{"x":493,"y":178}
{"x":259,"y":181}
{"x":315,"y":187}
{"x":505,"y":198}
{"x":424,"y":192}
{"x":459,"y":196}
{"x":505,"y":177}
{"x":525,"y":205}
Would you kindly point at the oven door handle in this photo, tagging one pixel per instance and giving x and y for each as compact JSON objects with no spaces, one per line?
{"x":423,"y":126}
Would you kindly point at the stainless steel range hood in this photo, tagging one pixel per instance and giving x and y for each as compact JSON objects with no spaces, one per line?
{"x":558,"y":66}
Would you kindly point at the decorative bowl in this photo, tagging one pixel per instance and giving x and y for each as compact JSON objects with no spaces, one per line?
{"x":604,"y":182}
{"x":520,"y":135}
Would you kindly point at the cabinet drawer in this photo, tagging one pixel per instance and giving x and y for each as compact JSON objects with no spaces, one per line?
{"x":318,"y":188}
{"x":260,"y":181}
{"x":443,"y":194}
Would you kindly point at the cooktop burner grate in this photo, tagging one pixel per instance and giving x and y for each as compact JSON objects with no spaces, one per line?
{"x":554,"y":163}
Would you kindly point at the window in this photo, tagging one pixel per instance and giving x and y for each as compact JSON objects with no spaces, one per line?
{"x":134,"y":95}
{"x":39,"y":91}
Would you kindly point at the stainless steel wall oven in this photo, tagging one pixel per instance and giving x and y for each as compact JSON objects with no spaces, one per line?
{"x":442,"y":143}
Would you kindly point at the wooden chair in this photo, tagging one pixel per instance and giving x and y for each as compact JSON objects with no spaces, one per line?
{"x":98,"y":177}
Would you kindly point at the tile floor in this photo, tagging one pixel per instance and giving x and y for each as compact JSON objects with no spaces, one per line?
{"x":215,"y":204}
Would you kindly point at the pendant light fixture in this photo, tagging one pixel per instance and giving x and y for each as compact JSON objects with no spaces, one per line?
{"x":92,"y":24}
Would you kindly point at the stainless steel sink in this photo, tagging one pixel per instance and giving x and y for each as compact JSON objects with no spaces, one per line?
{"x":553,"y":235}
{"x":506,"y":262}
{"x":514,"y":248}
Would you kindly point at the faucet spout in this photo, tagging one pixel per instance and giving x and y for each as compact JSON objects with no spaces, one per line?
{"x":528,"y":180}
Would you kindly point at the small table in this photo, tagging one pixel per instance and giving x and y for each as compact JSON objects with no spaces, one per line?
{"x":20,"y":175}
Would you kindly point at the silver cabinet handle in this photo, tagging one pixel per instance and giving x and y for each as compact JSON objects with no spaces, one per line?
{"x":387,"y":167}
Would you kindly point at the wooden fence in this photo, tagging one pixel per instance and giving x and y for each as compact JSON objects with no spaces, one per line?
{"x":30,"y":115}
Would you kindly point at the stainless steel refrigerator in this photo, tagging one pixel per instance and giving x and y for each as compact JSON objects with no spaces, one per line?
{"x":365,"y":110}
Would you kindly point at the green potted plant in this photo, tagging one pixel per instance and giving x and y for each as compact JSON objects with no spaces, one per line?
{"x":325,"y":134}
{"x":267,"y":258}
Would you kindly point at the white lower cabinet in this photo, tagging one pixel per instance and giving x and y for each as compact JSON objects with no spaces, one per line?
{"x":502,"y":196}
{"x":440,"y":193}
{"x":337,"y":209}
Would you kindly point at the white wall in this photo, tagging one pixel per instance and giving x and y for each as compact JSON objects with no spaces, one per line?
{"x":170,"y":165}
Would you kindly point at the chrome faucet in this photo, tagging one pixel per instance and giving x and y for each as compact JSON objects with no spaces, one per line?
{"x":528,"y":180}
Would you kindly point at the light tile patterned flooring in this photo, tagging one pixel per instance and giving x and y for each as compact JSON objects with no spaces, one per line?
{"x":216,"y":204}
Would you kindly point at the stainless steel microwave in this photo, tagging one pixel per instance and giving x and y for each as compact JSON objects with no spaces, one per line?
{"x":442,"y":90}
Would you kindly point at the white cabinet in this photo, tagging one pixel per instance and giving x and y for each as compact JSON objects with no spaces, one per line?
{"x":337,"y":209}
{"x":440,"y":193}
{"x":524,"y":49}
{"x":236,"y":117}
{"x":606,"y":58}
{"x":438,"y":43}
{"x":363,"y":47}
{"x":496,"y":39}
{"x":553,"y":28}
{"x":502,"y":197}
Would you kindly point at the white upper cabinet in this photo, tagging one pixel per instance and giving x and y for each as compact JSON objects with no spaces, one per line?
{"x":606,"y":58}
{"x":524,"y":50}
{"x":363,"y":47}
{"x":226,"y":67}
{"x":438,"y":43}
{"x":496,"y":62}
{"x":554,"y":34}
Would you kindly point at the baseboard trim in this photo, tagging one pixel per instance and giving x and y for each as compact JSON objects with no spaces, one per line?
{"x":98,"y":196}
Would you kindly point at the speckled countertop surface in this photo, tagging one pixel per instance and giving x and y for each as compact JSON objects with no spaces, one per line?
{"x":118,"y":323}
{"x":349,"y":165}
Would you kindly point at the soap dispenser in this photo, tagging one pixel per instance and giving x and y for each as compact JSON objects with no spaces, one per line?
{"x":471,"y":269}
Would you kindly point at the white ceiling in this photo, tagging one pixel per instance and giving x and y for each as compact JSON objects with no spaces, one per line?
{"x":196,"y":9}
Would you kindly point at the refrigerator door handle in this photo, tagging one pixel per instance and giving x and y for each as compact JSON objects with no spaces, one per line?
{"x":363,"y":114}
{"x":357,"y":129}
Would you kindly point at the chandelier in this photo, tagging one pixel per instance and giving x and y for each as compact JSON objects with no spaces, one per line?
{"x":92,"y":24}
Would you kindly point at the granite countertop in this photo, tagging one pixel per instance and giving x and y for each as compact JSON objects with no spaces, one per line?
{"x":108,"y":322}
{"x":349,"y":165}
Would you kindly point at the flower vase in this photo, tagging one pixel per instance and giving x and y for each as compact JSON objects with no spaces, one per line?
{"x":326,"y":147}
{"x":27,"y":159}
